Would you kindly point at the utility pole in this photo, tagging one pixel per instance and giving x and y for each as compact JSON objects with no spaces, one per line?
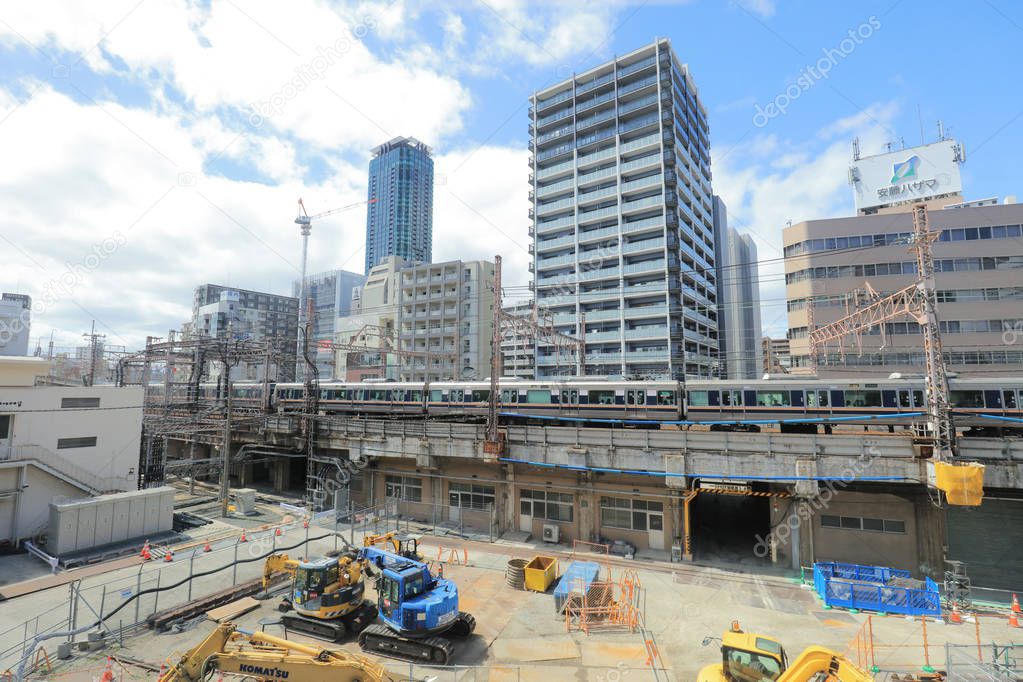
{"x":495,"y":356}
{"x":225,"y":451}
{"x":93,"y":338}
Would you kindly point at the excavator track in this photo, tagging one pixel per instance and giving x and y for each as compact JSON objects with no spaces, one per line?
{"x":379,"y":639}
{"x":331,"y":630}
{"x":463,"y":626}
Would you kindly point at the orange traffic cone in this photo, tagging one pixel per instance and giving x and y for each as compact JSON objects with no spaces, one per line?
{"x":108,"y":674}
{"x":243,"y":538}
{"x":305,"y":524}
{"x":206,"y":547}
{"x":1015,"y":603}
{"x":278,"y":532}
{"x":145,"y":550}
{"x":956,"y":617}
{"x":169,"y":556}
{"x":1013,"y":620}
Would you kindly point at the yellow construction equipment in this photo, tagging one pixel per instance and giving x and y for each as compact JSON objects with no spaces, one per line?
{"x":750,"y":657}
{"x":260,"y":656}
{"x":404,"y":546}
{"x":326,"y":595}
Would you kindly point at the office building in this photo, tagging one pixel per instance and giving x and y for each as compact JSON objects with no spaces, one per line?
{"x":331,"y":296}
{"x":518,"y":351}
{"x":738,"y":302}
{"x":249,"y":315}
{"x":447,"y":308}
{"x":621,"y":217}
{"x":399,"y":217}
{"x":373,"y":312}
{"x":15,"y":323}
{"x":776,"y":356}
{"x":978,"y":259}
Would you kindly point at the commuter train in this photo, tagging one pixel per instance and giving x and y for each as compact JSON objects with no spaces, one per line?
{"x":790,"y":397}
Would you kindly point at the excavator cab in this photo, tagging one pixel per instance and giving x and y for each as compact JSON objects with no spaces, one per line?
{"x":319,"y":587}
{"x":748,"y":657}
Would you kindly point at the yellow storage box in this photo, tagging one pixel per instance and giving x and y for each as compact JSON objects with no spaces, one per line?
{"x":541,"y":571}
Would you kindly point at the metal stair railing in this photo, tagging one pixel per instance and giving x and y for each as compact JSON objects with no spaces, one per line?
{"x":78,"y":475}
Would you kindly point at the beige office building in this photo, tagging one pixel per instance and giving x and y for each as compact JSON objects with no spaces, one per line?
{"x":979,"y":281}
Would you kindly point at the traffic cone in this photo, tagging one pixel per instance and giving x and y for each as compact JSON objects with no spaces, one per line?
{"x":956,"y":617}
{"x":278,"y":532}
{"x":243,"y":538}
{"x":1013,"y":620}
{"x":169,"y":556}
{"x":108,"y":674}
{"x":1015,"y":603}
{"x":206,"y":547}
{"x":305,"y":524}
{"x":144,"y":552}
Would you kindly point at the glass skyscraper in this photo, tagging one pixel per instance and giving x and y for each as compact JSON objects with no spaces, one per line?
{"x":400,"y":221}
{"x":622,"y":226}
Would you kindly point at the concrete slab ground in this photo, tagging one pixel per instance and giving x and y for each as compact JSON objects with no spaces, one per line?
{"x":519,"y":636}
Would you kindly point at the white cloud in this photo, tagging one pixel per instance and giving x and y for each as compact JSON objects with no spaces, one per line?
{"x":764,"y":8}
{"x":766,"y":182}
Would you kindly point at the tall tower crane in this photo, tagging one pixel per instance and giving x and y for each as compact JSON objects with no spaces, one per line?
{"x":305,"y":224}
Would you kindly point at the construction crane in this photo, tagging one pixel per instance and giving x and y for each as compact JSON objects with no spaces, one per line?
{"x":260,"y":656}
{"x":305,"y":224}
{"x":326,"y":595}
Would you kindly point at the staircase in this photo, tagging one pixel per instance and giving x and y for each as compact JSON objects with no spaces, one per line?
{"x":60,"y":467}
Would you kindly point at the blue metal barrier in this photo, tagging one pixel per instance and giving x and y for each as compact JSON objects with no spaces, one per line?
{"x":867,"y":588}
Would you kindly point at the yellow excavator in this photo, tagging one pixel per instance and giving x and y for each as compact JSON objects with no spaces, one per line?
{"x":326,"y":595}
{"x":750,"y":657}
{"x":263,"y":657}
{"x":405,"y":546}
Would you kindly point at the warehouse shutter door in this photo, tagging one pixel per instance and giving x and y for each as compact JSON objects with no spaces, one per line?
{"x":989,"y":538}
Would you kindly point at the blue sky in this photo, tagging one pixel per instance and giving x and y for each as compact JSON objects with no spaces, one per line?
{"x":171,"y":123}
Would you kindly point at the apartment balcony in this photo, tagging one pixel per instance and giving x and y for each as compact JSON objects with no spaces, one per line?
{"x":597,"y":214}
{"x":650,"y":332}
{"x":641,"y":143}
{"x":652,"y":224}
{"x":549,"y":244}
{"x":644,"y":246}
{"x":646,"y":356}
{"x":560,"y":261}
{"x":603,"y":315}
{"x":557,"y":187}
{"x":697,"y":337}
{"x":638,"y":123}
{"x":555,"y":152}
{"x":555,"y":206}
{"x":587,"y":104}
{"x":608,"y":294}
{"x":531,"y":249}
{"x":649,"y":182}
{"x":550,"y":226}
{"x":596,"y":235}
{"x":564,"y":131}
{"x":645,"y":288}
{"x":645,"y":267}
{"x":595,"y":83}
{"x":606,"y":273}
{"x":602,"y":337}
{"x":596,"y":176}
{"x":638,"y":86}
{"x":546,"y":104}
{"x":555,"y":170}
{"x":642,"y":64}
{"x":585,"y":160}
{"x":545,"y":121}
{"x":597,"y":194}
{"x":595,"y":137}
{"x":699,"y":317}
{"x":641,"y":204}
{"x":645,"y":311}
{"x":584,"y":123}
{"x":642,"y":163}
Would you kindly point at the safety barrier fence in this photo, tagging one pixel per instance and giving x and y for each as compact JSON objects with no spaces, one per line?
{"x":872,"y":588}
{"x":929,"y":648}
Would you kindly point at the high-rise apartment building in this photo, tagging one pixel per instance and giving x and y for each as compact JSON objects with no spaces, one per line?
{"x":738,"y":287}
{"x":15,"y":323}
{"x":331,"y":296}
{"x":621,"y":217}
{"x":776,"y":355}
{"x":447,"y":308}
{"x":254,"y":315}
{"x":373,"y":312}
{"x":399,"y":217}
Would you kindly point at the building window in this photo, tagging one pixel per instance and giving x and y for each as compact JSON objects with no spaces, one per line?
{"x":863,"y":523}
{"x":5,"y":426}
{"x":82,"y":442}
{"x":629,"y":514}
{"x":546,"y":505}
{"x":405,"y":488}
{"x":471,"y":496}
{"x":79,"y":402}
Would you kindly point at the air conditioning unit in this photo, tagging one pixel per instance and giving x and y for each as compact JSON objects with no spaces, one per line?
{"x":551,"y":532}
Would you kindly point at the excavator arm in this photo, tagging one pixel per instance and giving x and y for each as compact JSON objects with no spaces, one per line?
{"x":266,"y":657}
{"x":277,"y":563}
{"x":816,"y":660}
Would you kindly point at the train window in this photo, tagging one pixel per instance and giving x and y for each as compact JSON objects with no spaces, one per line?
{"x":480,"y":396}
{"x":666,"y":397}
{"x":417,"y":396}
{"x":904,"y":399}
{"x":698,"y":399}
{"x":537,"y":395}
{"x":436,"y":396}
{"x":863,"y":398}
{"x":773,"y":398}
{"x":918,"y":398}
{"x":378,"y":395}
{"x":510,"y":396}
{"x":602,"y":397}
{"x":967,"y":398}
{"x":457,"y":395}
{"x":1009,"y":400}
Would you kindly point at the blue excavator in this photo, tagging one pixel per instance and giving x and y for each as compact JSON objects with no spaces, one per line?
{"x":417,"y":611}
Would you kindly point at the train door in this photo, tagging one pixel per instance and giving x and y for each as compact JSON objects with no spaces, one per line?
{"x":635,"y":402}
{"x":817,"y":399}
{"x":569,"y":403}
{"x":905,"y":399}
